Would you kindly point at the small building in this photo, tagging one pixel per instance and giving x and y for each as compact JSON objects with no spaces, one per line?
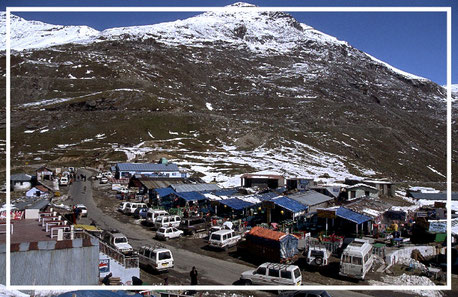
{"x":233,"y":207}
{"x":168,"y":170}
{"x":359,"y":191}
{"x":312,"y":199}
{"x":331,"y":191}
{"x":271,"y":181}
{"x":384,"y":187}
{"x":21,"y":182}
{"x":300,"y":184}
{"x":44,"y":173}
{"x":287,"y":208}
{"x":37,"y":191}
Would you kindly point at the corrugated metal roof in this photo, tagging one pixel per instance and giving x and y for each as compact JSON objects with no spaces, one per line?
{"x":20,"y":177}
{"x":191,"y":196}
{"x":267,"y":196}
{"x":236,"y":203}
{"x":146,"y":167}
{"x":310,"y":198}
{"x":289,"y":204}
{"x":159,"y":183}
{"x":163,"y":192}
{"x":225,"y":192}
{"x":434,"y":196}
{"x":352,"y":216}
{"x":195,"y":187}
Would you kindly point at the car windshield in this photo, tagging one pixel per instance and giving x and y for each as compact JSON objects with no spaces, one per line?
{"x":161,"y":230}
{"x":164,"y":256}
{"x":316,"y":253}
{"x":216,"y":237}
{"x":297,"y":273}
{"x":120,"y":240}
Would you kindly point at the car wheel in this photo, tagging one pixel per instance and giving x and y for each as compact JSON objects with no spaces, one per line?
{"x":318,"y":261}
{"x":247,"y":282}
{"x":166,"y":238}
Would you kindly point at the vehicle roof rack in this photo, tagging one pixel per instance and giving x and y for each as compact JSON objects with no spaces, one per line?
{"x":277,"y":266}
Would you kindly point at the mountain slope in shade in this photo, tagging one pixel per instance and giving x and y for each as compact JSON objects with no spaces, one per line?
{"x":224,"y":94}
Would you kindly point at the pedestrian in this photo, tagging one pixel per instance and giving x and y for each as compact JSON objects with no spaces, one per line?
{"x":166,"y":281}
{"x":106,"y":279}
{"x":193,"y":275}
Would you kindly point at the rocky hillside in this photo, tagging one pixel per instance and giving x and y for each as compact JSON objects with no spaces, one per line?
{"x":224,"y":93}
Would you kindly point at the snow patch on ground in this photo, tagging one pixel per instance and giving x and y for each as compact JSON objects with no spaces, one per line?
{"x":11,"y":293}
{"x":409,"y":280}
{"x":209,"y":106}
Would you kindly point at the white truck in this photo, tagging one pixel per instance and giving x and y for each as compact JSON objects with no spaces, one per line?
{"x":118,"y":241}
{"x":157,"y":257}
{"x":357,"y":259}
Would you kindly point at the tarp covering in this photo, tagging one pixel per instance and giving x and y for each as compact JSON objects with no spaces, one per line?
{"x":278,"y":243}
{"x":236,"y":203}
{"x":225,"y":192}
{"x":267,"y":196}
{"x":163,"y":192}
{"x":191,"y":196}
{"x":290,"y":204}
{"x":352,"y":216}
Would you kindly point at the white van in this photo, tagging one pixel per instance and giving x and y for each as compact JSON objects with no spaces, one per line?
{"x":158,"y":258}
{"x":63,"y":181}
{"x":167,"y":221}
{"x":153,"y":214}
{"x":273,"y":274}
{"x":132,"y":206}
{"x":223,"y":239}
{"x":357,"y":259}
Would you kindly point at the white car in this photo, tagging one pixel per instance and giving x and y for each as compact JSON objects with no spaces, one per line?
{"x":104,"y":180}
{"x":107,"y":174}
{"x":273,"y":274}
{"x":318,"y":256}
{"x":118,"y":241}
{"x":223,"y":239}
{"x":99,"y":175}
{"x":83,"y":209}
{"x":166,"y":233}
{"x":63,"y":181}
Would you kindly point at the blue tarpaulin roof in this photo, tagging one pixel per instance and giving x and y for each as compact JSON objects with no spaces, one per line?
{"x":191,"y":196}
{"x":289,"y":204}
{"x":236,"y":203}
{"x":146,"y":167}
{"x":163,"y":192}
{"x":352,"y":216}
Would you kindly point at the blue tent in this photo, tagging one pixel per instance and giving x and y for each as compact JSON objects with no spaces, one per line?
{"x":191,"y":196}
{"x":267,"y":196}
{"x":352,"y":216}
{"x":290,"y":204}
{"x":164,"y":192}
{"x":236,"y":203}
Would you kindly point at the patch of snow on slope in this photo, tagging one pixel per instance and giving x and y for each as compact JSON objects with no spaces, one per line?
{"x":34,"y":34}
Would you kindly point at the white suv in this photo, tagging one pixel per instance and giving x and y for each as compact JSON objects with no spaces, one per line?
{"x":273,"y":274}
{"x":223,"y":239}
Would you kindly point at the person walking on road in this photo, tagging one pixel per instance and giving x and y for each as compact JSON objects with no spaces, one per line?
{"x":193,"y":275}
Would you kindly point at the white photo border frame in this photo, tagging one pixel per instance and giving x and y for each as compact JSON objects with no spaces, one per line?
{"x":446,"y":10}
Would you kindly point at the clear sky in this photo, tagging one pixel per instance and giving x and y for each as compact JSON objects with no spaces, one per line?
{"x":413,"y":42}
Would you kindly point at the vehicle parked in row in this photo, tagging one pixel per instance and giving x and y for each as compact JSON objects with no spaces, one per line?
{"x":118,"y":241}
{"x":224,"y":239}
{"x":140,"y":213}
{"x":194,"y":225}
{"x":157,"y":258}
{"x":317,"y":256}
{"x":167,"y":233}
{"x":224,"y":226}
{"x":132,"y":206}
{"x":99,"y":175}
{"x":103,"y":180}
{"x":273,"y":274}
{"x":153,"y":214}
{"x":63,"y":181}
{"x":107,"y":174}
{"x":167,"y":221}
{"x":356,"y":259}
{"x":83,"y":209}
{"x":122,"y":206}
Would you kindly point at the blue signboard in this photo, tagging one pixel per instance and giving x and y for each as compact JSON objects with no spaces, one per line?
{"x":104,"y":265}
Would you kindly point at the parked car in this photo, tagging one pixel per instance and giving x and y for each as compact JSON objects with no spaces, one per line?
{"x":167,"y":221}
{"x":118,"y":241}
{"x":317,"y":256}
{"x":63,"y":181}
{"x":153,"y":214}
{"x":104,"y":180}
{"x":122,"y":206}
{"x":99,"y":175}
{"x":140,"y":213}
{"x":167,"y":233}
{"x":83,"y":209}
{"x":157,"y":258}
{"x":107,"y":174}
{"x":132,"y":206}
{"x":193,"y":225}
{"x":356,"y":259}
{"x":223,"y":239}
{"x":273,"y":274}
